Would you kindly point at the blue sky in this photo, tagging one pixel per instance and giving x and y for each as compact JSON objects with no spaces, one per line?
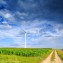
{"x":41,"y":19}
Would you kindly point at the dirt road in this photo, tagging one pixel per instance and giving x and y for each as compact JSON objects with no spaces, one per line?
{"x":48,"y":59}
{"x":56,"y":60}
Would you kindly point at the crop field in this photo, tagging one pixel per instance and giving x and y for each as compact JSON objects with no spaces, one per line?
{"x":22,"y":55}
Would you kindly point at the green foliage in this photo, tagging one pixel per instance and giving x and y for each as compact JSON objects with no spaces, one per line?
{"x":29,"y":52}
{"x":22,"y":55}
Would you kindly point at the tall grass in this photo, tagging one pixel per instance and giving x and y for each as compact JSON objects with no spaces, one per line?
{"x":60,"y":53}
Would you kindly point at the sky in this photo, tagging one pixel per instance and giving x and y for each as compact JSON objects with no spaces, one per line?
{"x":42,"y":20}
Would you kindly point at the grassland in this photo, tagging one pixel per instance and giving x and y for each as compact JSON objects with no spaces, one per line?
{"x":21,"y":55}
{"x":60,"y":53}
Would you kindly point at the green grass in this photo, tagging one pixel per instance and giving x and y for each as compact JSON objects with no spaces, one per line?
{"x":18,"y":59}
{"x":21,"y":55}
{"x":53,"y":56}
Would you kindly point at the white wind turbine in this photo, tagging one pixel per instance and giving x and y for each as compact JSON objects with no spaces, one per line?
{"x":25,"y":34}
{"x":25,"y":37}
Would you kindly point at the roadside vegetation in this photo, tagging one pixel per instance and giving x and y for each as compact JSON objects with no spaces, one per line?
{"x":60,"y":53}
{"x":53,"y":56}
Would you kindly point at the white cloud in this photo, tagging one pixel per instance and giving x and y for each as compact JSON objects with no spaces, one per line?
{"x":33,"y":30}
{"x":7,"y":15}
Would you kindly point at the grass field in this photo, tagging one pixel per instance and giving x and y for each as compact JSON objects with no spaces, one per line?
{"x":60,"y":53}
{"x":21,"y":55}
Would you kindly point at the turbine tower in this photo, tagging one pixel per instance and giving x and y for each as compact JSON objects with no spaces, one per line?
{"x":25,"y":39}
{"x":25,"y":32}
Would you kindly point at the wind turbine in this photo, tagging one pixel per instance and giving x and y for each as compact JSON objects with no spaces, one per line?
{"x":25,"y":32}
{"x":25,"y":37}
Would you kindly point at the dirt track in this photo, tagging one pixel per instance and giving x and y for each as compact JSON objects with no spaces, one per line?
{"x":48,"y":59}
{"x":56,"y":60}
